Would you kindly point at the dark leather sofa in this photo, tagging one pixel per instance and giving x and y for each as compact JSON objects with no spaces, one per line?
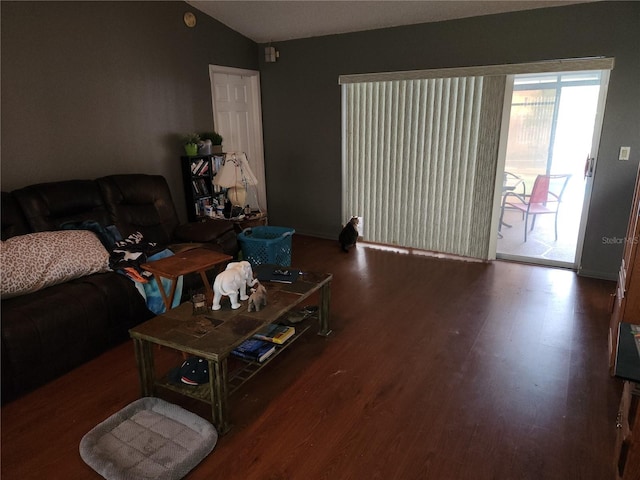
{"x":49,"y":332}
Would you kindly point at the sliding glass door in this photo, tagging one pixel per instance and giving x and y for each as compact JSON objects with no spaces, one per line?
{"x":551,"y":132}
{"x":424,"y":151}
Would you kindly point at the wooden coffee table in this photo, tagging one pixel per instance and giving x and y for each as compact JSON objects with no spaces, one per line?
{"x":214,"y":335}
{"x":190,"y":261}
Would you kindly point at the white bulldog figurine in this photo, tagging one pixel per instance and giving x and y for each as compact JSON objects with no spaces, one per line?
{"x":236,"y":278}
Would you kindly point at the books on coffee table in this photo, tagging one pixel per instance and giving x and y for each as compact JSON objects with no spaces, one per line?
{"x":255,"y":350}
{"x":276,"y":333}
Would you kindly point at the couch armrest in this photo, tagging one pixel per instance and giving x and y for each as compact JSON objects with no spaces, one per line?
{"x":219,"y":232}
{"x":207,"y":231}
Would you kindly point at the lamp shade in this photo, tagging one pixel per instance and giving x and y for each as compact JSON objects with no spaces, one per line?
{"x":235,"y":175}
{"x":228,"y":176}
{"x":235,"y":172}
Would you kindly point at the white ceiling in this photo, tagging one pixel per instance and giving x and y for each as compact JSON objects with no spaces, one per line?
{"x":271,"y":21}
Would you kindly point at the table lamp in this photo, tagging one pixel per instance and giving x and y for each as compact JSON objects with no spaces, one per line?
{"x":235,"y":175}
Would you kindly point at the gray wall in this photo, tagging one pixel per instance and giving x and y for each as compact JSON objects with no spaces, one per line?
{"x":301,"y":104}
{"x":96,"y":88}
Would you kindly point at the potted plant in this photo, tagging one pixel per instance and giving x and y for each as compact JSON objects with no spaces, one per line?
{"x":211,"y":140}
{"x":190,"y":142}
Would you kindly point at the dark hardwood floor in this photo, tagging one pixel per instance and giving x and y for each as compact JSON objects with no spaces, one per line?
{"x":436,"y":369}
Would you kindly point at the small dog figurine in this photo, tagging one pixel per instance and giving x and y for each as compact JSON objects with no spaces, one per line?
{"x":349,"y":234}
{"x":258,"y":298}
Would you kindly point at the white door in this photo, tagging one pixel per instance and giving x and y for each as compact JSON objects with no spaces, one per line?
{"x":237,"y":117}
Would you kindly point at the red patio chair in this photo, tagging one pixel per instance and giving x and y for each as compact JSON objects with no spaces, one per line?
{"x":541,"y":201}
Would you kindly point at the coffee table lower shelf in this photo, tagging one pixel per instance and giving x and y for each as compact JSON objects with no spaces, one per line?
{"x":238,"y":377}
{"x":199,"y":335}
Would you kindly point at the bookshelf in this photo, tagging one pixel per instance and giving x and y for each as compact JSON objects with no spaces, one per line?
{"x":625,"y":305}
{"x":200,"y":192}
{"x":627,"y":368}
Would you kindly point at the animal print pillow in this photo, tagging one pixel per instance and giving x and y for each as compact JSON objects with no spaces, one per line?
{"x":38,"y":260}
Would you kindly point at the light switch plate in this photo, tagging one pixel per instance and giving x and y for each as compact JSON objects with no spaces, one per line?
{"x":624,"y":153}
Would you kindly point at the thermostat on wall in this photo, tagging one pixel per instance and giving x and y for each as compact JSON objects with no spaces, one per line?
{"x":624,"y":153}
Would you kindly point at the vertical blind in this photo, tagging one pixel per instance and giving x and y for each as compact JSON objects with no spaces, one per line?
{"x":420,"y":161}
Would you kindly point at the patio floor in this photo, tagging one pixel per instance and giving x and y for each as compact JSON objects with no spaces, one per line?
{"x":541,"y":243}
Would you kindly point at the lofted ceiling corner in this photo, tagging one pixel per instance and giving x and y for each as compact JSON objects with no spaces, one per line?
{"x":272,"y":21}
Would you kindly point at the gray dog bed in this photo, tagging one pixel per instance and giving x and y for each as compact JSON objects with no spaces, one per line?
{"x":149,"y":438}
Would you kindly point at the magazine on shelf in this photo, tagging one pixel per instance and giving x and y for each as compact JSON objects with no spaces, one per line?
{"x":254,"y":349}
{"x":276,"y":333}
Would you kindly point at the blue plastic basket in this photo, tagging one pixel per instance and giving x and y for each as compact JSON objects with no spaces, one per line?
{"x":262,"y":245}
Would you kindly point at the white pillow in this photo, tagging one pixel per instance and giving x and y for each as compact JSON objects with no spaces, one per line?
{"x":31,"y":262}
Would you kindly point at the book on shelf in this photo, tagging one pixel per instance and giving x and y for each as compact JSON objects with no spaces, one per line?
{"x":218,"y":160}
{"x":203,"y":187}
{"x":197,"y":166}
{"x":276,"y":333}
{"x":254,"y":349}
{"x":200,"y":205}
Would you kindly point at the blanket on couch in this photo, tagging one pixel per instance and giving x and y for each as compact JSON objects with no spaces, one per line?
{"x":35,"y":261}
